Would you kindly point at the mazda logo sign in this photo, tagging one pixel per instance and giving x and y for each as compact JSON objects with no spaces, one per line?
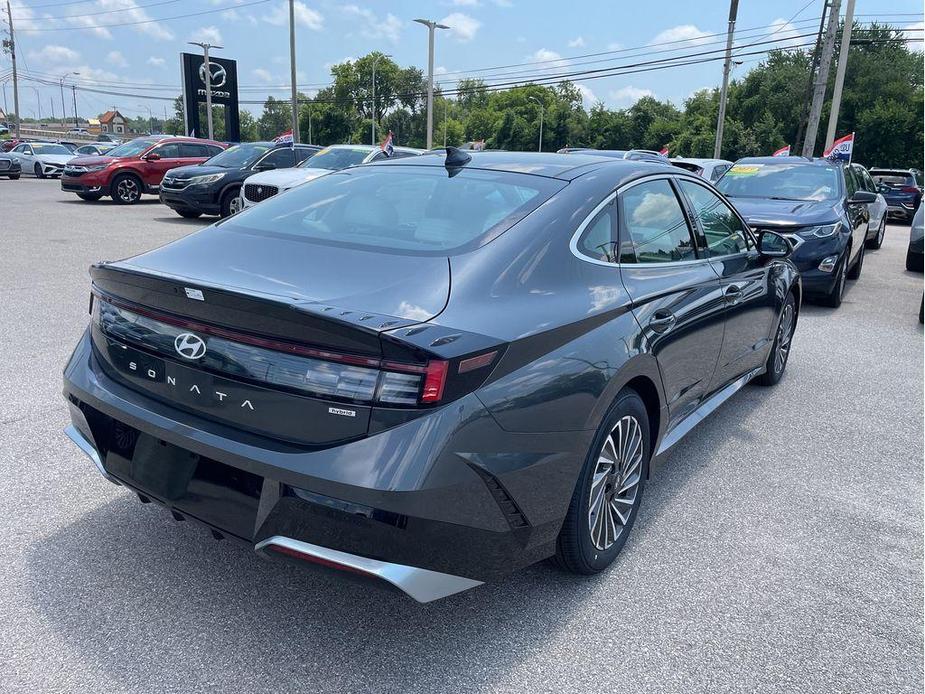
{"x":189,"y":346}
{"x":217,"y":75}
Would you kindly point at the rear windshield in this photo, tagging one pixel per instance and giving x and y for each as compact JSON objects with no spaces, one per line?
{"x":894,"y":178}
{"x":402,"y":209}
{"x":337,"y":158}
{"x":783,"y":181}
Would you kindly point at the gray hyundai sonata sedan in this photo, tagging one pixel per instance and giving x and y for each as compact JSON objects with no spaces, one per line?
{"x":431,"y":372}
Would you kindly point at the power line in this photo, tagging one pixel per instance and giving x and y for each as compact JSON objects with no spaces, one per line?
{"x":91,"y":14}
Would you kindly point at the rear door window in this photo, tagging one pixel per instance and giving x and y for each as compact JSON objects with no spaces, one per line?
{"x":282,"y":158}
{"x":724,"y":232}
{"x":653,"y":227}
{"x":190,"y":150}
{"x":170,"y":150}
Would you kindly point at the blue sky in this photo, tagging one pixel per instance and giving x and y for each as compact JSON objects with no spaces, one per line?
{"x":142,"y":59}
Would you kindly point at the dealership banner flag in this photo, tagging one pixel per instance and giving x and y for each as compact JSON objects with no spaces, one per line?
{"x":283,"y":137}
{"x":387,"y":145}
{"x":782,"y":152}
{"x":664,"y":151}
{"x":841,"y":149}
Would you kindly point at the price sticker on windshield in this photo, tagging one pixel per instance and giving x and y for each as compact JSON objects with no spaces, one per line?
{"x":744,"y":170}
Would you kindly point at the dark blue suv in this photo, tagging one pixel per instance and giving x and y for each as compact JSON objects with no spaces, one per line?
{"x":817,"y":204}
{"x":901,"y":191}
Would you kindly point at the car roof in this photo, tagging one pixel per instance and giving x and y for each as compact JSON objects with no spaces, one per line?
{"x":551,"y":165}
{"x":809,"y":161}
{"x":879,"y":170}
{"x":695,"y":160}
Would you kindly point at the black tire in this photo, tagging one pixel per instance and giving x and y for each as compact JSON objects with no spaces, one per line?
{"x":231,"y":202}
{"x":914,"y":261}
{"x":38,"y":170}
{"x":126,"y":189}
{"x":875,"y":243}
{"x":13,"y":177}
{"x":834,"y":297}
{"x":777,"y":357}
{"x":575,"y":547}
{"x":854,"y":272}
{"x":90,"y":197}
{"x":189,"y":214}
{"x":922,"y":311}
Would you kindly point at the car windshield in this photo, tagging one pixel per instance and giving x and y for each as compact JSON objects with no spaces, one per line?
{"x":336,"y":158}
{"x":238,"y":156}
{"x":131,"y":149}
{"x":782,"y":181}
{"x":401,"y":209}
{"x":40,"y":148}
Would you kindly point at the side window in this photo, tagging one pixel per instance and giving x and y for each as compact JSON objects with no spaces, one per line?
{"x":719,"y":171}
{"x":851,"y":183}
{"x":212,"y":150}
{"x":653,"y":227}
{"x":379,"y":156}
{"x":168,"y":151}
{"x":302,"y":153}
{"x":281,"y":158}
{"x":598,"y":240}
{"x":867,"y":183}
{"x":724,"y":231}
{"x":189,"y":150}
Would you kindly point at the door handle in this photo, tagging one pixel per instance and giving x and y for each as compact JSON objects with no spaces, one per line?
{"x":732,"y":293}
{"x":662,"y":321}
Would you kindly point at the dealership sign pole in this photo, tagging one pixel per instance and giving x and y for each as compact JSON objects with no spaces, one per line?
{"x":208,"y":80}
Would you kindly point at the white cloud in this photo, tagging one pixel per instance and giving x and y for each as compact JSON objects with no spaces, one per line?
{"x":462,"y":26}
{"x":129,"y":11}
{"x":263,"y":75}
{"x":504,"y":3}
{"x":89,"y":23}
{"x":231,"y":15}
{"x":614,"y":46}
{"x":208,"y":34}
{"x":588,"y":97}
{"x":54,"y":54}
{"x":371,"y":27}
{"x":916,"y":43}
{"x":627,"y":96}
{"x":577,"y":42}
{"x":550,"y":58}
{"x":784,"y":32}
{"x":155,"y":62}
{"x":117,"y":59}
{"x":683,"y":32}
{"x":304,"y":16}
{"x":467,"y":3}
{"x":440,"y":70}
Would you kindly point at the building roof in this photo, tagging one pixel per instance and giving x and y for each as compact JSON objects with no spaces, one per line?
{"x":109,"y":116}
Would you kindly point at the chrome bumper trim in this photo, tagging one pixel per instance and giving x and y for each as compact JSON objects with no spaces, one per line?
{"x":423,"y":585}
{"x":84,"y":444}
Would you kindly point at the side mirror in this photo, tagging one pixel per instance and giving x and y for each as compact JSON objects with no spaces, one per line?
{"x":265,"y":167}
{"x":154,"y":156}
{"x":773,"y":245}
{"x":862,"y":197}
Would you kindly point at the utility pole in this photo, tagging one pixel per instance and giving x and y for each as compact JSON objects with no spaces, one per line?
{"x":727,"y":66}
{"x":376,"y":60}
{"x":822,"y":77}
{"x":533,"y":98}
{"x":208,"y":75}
{"x":840,"y":74}
{"x":814,"y":63}
{"x":431,"y":26}
{"x":292,"y":75}
{"x":10,"y":45}
{"x":74,"y":93}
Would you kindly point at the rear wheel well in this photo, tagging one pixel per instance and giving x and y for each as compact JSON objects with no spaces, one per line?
{"x":646,"y":390}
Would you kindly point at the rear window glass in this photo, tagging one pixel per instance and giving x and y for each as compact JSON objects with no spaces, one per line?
{"x":418,"y":210}
{"x":895,"y":179}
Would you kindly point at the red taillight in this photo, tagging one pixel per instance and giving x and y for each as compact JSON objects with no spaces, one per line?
{"x":434,"y":381}
{"x":910,"y":189}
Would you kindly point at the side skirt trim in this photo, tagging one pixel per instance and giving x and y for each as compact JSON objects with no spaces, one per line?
{"x":423,"y":585}
{"x":684,"y":427}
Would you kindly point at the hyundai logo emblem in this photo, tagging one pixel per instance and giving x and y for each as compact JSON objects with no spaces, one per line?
{"x":189,"y":346}
{"x":217,"y":75}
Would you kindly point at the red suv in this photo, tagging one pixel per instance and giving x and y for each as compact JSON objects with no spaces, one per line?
{"x":133,"y":168}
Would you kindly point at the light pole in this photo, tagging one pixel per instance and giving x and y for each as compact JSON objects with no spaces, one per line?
{"x":61,"y":85}
{"x":292,"y":74}
{"x":150,"y":116}
{"x":376,"y":60}
{"x":446,"y":108}
{"x":74,"y":93}
{"x":431,"y":26}
{"x":533,"y":98}
{"x":38,"y":101}
{"x":208,"y":70}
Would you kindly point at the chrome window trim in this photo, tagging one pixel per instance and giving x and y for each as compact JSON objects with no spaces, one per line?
{"x":573,"y":244}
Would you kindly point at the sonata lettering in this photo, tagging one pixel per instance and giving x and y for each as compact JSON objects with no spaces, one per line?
{"x":194,"y":388}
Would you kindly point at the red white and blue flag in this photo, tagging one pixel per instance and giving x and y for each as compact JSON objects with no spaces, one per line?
{"x":283,"y":137}
{"x":782,"y":152}
{"x":387,"y":145}
{"x":664,"y":151}
{"x":841,"y":149}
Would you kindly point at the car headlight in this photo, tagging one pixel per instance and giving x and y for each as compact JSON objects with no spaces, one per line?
{"x":92,"y":169}
{"x":822,"y":231}
{"x":205,"y":180}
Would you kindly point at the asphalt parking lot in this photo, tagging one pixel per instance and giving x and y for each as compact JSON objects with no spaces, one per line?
{"x":779,"y":549}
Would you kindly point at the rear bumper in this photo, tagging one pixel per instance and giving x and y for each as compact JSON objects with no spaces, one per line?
{"x":903,"y":210}
{"x":449,"y":497}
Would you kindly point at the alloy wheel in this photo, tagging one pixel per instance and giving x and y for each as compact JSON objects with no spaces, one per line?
{"x":235,"y":205}
{"x":784,"y":336}
{"x":882,"y":232}
{"x":615,"y":483}
{"x":127,"y":190}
